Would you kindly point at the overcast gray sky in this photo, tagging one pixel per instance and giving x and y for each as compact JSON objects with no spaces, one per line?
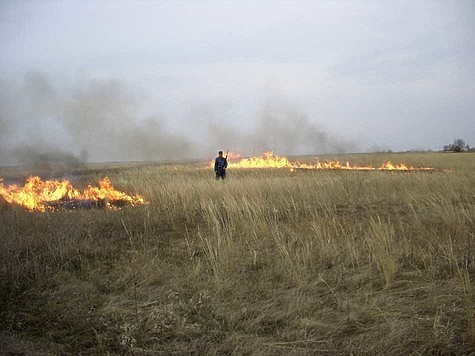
{"x":353,"y":75}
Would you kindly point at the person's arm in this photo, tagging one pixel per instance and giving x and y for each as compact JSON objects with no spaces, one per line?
{"x":225,"y":163}
{"x":215,"y":164}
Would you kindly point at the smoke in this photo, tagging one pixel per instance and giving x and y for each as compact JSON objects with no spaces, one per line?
{"x":282,"y":127}
{"x":44,"y":155}
{"x":43,"y":123}
{"x":104,"y":118}
{"x":278,"y":126}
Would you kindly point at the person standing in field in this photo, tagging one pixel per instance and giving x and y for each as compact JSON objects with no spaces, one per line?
{"x":220,"y":165}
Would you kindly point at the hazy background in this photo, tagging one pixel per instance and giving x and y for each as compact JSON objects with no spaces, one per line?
{"x":164,"y":80}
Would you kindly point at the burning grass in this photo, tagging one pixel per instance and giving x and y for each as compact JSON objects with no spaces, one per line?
{"x":267,"y":262}
{"x":269,"y":160}
{"x":51,"y":195}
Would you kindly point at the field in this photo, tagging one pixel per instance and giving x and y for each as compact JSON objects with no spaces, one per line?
{"x":266,"y":262}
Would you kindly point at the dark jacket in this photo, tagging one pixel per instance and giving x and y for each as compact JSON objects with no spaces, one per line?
{"x":220,"y":164}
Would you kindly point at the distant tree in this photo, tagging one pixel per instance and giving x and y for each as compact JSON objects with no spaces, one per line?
{"x":458,"y":146}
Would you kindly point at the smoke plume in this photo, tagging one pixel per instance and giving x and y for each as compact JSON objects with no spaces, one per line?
{"x":44,"y":123}
{"x":277,"y":126}
{"x":99,"y":119}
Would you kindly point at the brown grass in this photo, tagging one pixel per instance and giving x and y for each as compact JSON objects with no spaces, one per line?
{"x":267,"y":262}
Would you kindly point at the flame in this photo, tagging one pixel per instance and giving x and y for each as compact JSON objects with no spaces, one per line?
{"x":231,"y":156}
{"x":269,"y":160}
{"x":37,"y":195}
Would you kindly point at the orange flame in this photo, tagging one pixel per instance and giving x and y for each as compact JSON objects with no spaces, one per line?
{"x":269,"y":160}
{"x":37,"y":194}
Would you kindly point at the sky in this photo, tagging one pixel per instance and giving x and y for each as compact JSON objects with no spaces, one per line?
{"x":164,"y":80}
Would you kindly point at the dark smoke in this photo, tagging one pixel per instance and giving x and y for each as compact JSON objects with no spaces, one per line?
{"x":42,"y":155}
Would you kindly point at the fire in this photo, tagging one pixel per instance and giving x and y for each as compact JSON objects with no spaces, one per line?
{"x":269,"y":160}
{"x":39,"y":195}
{"x":231,"y":156}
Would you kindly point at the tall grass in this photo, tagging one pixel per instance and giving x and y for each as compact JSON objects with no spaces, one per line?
{"x":267,"y":262}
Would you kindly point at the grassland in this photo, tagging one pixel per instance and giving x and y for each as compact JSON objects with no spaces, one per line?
{"x":267,"y":262}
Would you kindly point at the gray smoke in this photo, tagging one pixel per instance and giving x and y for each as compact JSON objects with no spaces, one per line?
{"x":42,"y":123}
{"x":277,"y":126}
{"x":281,"y":127}
{"x":104,"y":119}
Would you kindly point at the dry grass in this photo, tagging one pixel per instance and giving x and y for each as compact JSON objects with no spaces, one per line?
{"x":268,"y":262}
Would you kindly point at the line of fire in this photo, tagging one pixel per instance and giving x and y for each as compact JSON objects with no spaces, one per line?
{"x":269,"y":160}
{"x":53,"y":195}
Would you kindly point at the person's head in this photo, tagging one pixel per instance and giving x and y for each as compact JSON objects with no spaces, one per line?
{"x":220,"y":153}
